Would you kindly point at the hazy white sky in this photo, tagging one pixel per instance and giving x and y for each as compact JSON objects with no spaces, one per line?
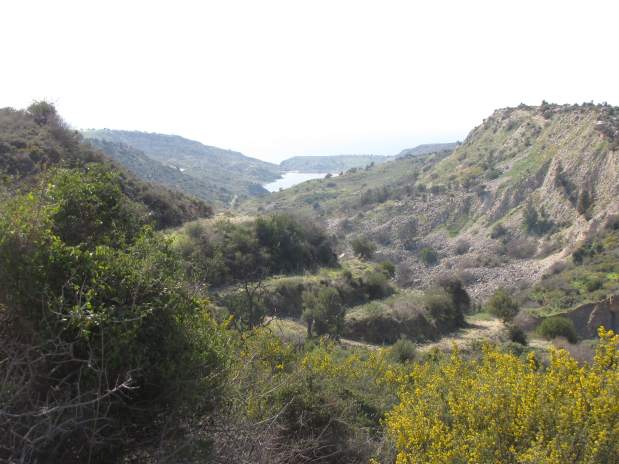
{"x":279,"y":78}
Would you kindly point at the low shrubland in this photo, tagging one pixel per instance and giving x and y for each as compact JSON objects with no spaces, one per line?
{"x":592,"y":275}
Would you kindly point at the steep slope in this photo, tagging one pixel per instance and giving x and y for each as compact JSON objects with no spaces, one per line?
{"x":331,"y":163}
{"x":151,"y":170}
{"x":36,"y":140}
{"x":226,"y":172}
{"x":517,"y":195}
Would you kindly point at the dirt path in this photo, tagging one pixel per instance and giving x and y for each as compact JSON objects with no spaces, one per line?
{"x":475,"y":330}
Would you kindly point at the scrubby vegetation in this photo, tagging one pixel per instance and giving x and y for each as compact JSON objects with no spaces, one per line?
{"x":225,"y":252}
{"x":245,"y":339}
{"x":98,"y":332}
{"x":502,"y":305}
{"x":37,"y":139}
{"x":592,"y":275}
{"x":557,"y":326}
{"x":560,"y":413}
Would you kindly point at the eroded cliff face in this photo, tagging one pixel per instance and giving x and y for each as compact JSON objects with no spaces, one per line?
{"x":589,"y":317}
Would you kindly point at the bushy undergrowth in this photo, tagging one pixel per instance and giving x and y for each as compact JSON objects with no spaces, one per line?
{"x":557,"y":326}
{"x":98,"y":333}
{"x":502,"y":408}
{"x":225,"y":252}
{"x":593,"y":275}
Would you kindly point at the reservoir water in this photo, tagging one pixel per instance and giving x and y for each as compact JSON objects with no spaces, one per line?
{"x":292,"y":178}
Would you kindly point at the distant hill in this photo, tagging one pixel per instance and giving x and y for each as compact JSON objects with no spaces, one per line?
{"x":428,"y":148}
{"x":330,"y":163}
{"x":151,"y":170}
{"x":36,"y":140}
{"x":339,"y":163}
{"x":222,"y":174}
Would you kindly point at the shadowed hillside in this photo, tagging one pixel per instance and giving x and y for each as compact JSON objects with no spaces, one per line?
{"x":35,"y":141}
{"x":223,"y":174}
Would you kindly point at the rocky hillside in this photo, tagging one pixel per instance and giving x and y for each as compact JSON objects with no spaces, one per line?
{"x":516,"y":196}
{"x":223,"y":175}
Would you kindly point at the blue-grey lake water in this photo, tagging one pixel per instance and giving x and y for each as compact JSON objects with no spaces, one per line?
{"x":292,"y":178}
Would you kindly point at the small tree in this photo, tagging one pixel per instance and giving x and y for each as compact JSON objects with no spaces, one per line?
{"x":502,"y":305}
{"x":428,"y":256}
{"x":363,"y":247}
{"x":323,"y":312}
{"x":558,"y":326}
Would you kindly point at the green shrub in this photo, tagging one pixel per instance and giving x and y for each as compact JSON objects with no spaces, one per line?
{"x":388,"y":268}
{"x":363,"y":247}
{"x":558,"y":326}
{"x":403,"y":351}
{"x":502,"y":305}
{"x":498,"y":231}
{"x":376,"y":284}
{"x":108,"y":312}
{"x":324,"y":311}
{"x":517,"y":335}
{"x":428,"y":256}
{"x":442,"y":309}
{"x":462,"y":246}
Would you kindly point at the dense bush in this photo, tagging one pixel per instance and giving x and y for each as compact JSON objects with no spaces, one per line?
{"x":563,"y":413}
{"x":516,"y":334}
{"x":324,"y":312}
{"x":226,"y":252}
{"x":558,"y":326}
{"x":462,"y":247}
{"x":323,"y":404}
{"x":363,"y":247}
{"x":403,"y":351}
{"x":536,"y":222}
{"x":502,"y":305}
{"x":428,"y":256}
{"x":97,"y":330}
{"x":498,"y":231}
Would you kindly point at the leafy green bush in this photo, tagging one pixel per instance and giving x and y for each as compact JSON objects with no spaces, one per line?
{"x":502,"y":305}
{"x":516,"y":334}
{"x":498,"y":231}
{"x":403,"y":351}
{"x":363,"y":247}
{"x":107,"y":312}
{"x":558,"y":326}
{"x":324,"y":311}
{"x":226,"y":252}
{"x":536,"y":222}
{"x":428,"y":256}
{"x":376,"y":284}
{"x":388,"y":268}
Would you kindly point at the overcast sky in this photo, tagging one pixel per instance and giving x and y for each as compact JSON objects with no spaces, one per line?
{"x":280,"y":78}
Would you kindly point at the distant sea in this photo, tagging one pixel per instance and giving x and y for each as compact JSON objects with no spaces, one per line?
{"x":292,"y":178}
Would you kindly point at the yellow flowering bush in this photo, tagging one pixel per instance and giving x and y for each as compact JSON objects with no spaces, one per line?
{"x":503,"y":409}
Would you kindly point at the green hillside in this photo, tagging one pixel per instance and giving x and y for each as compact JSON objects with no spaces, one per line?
{"x":36,"y":140}
{"x":224,"y":175}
